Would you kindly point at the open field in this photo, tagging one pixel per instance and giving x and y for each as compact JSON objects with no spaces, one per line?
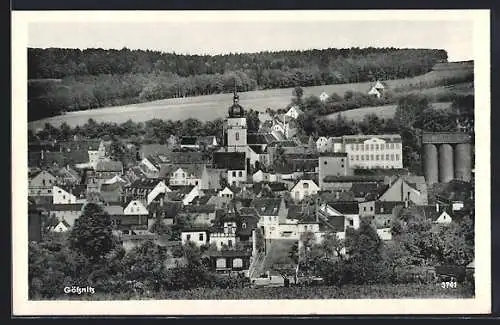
{"x":381,"y":291}
{"x":215,"y":106}
{"x":384,"y":112}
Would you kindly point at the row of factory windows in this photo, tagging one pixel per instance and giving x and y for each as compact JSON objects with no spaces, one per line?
{"x":382,"y":146}
{"x":375,"y":157}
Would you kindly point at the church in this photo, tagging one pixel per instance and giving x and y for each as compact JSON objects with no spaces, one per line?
{"x":238,"y":139}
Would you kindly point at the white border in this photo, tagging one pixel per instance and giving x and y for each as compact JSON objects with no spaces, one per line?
{"x":480,"y":304}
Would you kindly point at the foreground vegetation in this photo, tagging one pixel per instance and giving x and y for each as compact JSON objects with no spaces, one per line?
{"x":90,"y":255}
{"x":385,"y":291}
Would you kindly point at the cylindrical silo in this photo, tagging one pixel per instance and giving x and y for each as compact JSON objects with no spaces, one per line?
{"x":431,"y":163}
{"x":463,"y":161}
{"x":445,"y":163}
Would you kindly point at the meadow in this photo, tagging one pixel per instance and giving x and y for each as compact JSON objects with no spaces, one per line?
{"x":383,"y":112}
{"x":210,"y":107}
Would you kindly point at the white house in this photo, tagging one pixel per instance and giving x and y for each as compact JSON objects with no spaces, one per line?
{"x":294,"y":112}
{"x":303,"y":188}
{"x":187,"y":175}
{"x":260,"y":176}
{"x":160,"y":188}
{"x":322,"y":144}
{"x":62,"y":195}
{"x":323,"y":97}
{"x":62,"y":226}
{"x":375,"y":92}
{"x":226,"y":192}
{"x":226,"y":237}
{"x":135,"y":207}
{"x":197,"y":236}
{"x":236,"y":177}
{"x":271,"y":212}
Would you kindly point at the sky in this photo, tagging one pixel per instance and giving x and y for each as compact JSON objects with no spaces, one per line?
{"x":198,"y":37}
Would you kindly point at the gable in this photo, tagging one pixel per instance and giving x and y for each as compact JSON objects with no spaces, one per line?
{"x":444,"y":217}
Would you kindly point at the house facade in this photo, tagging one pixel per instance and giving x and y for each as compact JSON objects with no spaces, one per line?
{"x":41,"y":184}
{"x":302,"y":189}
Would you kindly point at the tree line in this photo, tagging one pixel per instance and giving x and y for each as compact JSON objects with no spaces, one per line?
{"x":62,"y":80}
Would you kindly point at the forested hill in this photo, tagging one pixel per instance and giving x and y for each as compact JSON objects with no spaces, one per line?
{"x":94,"y":78}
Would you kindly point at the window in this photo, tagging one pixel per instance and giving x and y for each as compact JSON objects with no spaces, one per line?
{"x":342,"y":160}
{"x":234,"y":174}
{"x":230,"y":243}
{"x":367,"y":147}
{"x":237,"y":136}
{"x":371,"y":208}
{"x":392,"y":157}
{"x":201,"y":237}
{"x":351,"y":222}
{"x":240,"y":174}
{"x":397,"y":145}
{"x":188,"y":237}
{"x":244,"y":225}
{"x":362,"y":147}
{"x":381,"y":209}
{"x":362,"y":157}
{"x":356,"y":147}
{"x":43,"y":182}
{"x":364,"y":208}
{"x":357,"y":157}
{"x":371,"y":157}
{"x":342,"y":166}
{"x":376,"y":147}
{"x":237,"y":263}
{"x":387,"y":157}
{"x":392,"y":145}
{"x":371,"y":147}
{"x":50,"y":181}
{"x":221,"y":263}
{"x":305,"y":185}
{"x":50,"y":191}
{"x":325,"y":163}
{"x":64,"y":197}
{"x":376,"y":157}
{"x":397,"y":157}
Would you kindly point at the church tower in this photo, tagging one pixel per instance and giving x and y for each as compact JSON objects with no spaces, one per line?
{"x":236,"y":127}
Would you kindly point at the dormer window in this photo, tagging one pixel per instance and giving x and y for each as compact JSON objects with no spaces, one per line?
{"x":243,"y":225}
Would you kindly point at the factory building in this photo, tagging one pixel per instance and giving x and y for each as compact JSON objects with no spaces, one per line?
{"x":447,"y":156}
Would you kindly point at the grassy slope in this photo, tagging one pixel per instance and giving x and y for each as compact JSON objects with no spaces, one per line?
{"x":215,"y":106}
{"x":384,"y":112}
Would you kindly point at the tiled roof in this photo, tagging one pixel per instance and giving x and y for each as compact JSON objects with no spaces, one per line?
{"x":244,"y":211}
{"x":77,"y":189}
{"x":149,"y":149}
{"x":111,"y":187}
{"x":345,"y":207}
{"x":258,"y":150}
{"x":189,"y":141}
{"x":113,"y":209}
{"x":145,"y":183}
{"x":230,"y":253}
{"x":386,"y":207}
{"x":352,"y":179}
{"x":266,"y":206}
{"x":337,"y":222}
{"x":190,"y":169}
{"x":67,"y":207}
{"x":388,"y":138}
{"x":230,"y":160}
{"x":205,"y":208}
{"x":259,"y":138}
{"x":109,"y":165}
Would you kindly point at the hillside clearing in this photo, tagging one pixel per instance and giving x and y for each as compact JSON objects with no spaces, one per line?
{"x":211,"y":107}
{"x":383,"y":112}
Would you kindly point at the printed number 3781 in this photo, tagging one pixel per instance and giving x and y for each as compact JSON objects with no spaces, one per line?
{"x":449,"y":285}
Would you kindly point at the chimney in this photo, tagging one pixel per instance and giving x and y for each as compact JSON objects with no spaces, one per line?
{"x":437,"y":207}
{"x":161,"y":201}
{"x":406,"y":204}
